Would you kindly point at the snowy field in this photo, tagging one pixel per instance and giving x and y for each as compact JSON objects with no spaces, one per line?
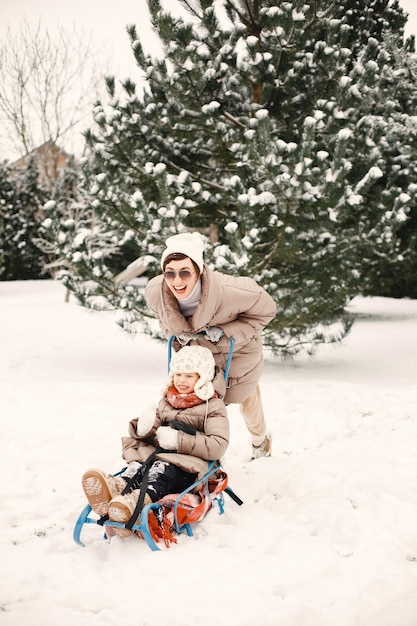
{"x":327,"y":535}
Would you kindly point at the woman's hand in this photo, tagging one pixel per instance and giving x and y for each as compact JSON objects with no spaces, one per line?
{"x":214,"y":333}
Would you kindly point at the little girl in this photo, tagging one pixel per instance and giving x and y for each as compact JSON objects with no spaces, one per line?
{"x":188,"y":429}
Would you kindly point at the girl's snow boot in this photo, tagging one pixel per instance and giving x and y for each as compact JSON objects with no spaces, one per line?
{"x":121,"y":509}
{"x":100,"y":488}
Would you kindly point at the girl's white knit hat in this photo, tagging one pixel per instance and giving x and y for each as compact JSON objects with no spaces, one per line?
{"x":194,"y":360}
{"x":189,"y":244}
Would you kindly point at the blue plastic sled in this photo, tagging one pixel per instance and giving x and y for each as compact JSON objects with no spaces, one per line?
{"x":155,"y":508}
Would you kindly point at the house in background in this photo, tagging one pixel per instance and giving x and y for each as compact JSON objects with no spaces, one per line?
{"x":50,"y":161}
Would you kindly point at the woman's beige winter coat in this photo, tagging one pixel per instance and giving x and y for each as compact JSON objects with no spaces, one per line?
{"x":209,"y":443}
{"x":239,"y":306}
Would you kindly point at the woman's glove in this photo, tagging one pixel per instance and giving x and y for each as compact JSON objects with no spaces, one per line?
{"x":167,"y":438}
{"x":146,"y":421}
{"x":214,"y":333}
{"x":185,"y":338}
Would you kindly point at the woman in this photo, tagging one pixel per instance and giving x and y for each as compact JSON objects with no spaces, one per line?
{"x":199,"y":305}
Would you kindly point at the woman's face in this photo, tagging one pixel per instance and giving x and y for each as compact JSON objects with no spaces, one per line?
{"x":181,"y":277}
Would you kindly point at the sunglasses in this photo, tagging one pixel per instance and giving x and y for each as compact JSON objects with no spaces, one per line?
{"x":170,"y":275}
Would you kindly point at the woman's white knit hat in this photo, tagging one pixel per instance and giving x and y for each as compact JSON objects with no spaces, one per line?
{"x":190,"y":244}
{"x":194,"y":360}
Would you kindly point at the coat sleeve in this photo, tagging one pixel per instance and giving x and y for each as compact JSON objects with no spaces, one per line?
{"x":250,"y":310}
{"x":211,"y":444}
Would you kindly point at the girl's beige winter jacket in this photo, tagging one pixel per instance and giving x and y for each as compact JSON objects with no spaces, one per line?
{"x":209,"y":443}
{"x":239,"y":306}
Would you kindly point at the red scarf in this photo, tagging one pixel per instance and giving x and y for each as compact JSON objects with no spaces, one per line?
{"x":183,"y":400}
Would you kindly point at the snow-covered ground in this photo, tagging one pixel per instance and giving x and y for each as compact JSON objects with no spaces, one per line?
{"x":327,"y":535}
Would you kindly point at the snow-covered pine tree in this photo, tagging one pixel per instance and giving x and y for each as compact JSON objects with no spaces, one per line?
{"x":5,"y":194}
{"x":21,"y":200}
{"x":387,"y":118}
{"x":270,"y":122}
{"x":64,"y":194}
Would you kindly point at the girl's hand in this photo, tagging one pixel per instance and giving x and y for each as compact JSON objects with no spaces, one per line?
{"x":145,"y":421}
{"x":167,"y":438}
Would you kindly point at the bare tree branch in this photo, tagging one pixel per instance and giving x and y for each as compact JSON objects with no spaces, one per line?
{"x":48,"y":84}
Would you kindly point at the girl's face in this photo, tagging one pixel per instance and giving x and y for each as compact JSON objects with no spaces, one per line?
{"x":184,"y":383}
{"x":181,"y":277}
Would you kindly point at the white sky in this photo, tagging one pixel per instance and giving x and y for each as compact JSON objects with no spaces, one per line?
{"x":106,"y":21}
{"x":104,"y":24}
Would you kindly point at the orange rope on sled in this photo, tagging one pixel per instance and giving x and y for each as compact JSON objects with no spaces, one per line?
{"x":191,"y":508}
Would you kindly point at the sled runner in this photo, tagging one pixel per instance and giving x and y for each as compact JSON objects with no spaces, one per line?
{"x":173,"y":514}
